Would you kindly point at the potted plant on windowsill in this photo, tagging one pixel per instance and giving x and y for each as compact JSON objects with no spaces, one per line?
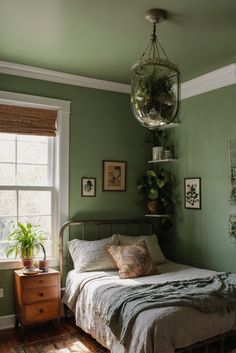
{"x":43,"y":264}
{"x":154,"y":190}
{"x":26,"y":241}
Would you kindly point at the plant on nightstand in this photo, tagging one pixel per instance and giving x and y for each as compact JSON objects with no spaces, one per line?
{"x":26,"y":241}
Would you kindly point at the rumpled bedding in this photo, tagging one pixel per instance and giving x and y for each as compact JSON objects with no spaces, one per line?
{"x":156,"y":330}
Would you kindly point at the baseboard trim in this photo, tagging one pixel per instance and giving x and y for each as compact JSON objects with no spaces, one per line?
{"x":7,"y":321}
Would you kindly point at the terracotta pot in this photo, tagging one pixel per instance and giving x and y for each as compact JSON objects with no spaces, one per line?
{"x":44,"y":265}
{"x":28,"y":263}
{"x":152,"y":206}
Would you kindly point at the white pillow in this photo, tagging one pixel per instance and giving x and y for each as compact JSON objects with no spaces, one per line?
{"x":152,"y":244}
{"x":92,"y":255}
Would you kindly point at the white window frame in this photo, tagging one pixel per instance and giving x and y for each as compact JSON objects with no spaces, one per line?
{"x":60,"y":203}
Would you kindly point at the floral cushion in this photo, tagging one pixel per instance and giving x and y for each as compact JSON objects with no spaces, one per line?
{"x":152,"y":244}
{"x":133,"y":260}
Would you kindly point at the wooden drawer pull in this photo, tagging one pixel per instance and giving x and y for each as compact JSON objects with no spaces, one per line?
{"x":41,"y":311}
{"x":41,"y":281}
{"x":41,"y":294}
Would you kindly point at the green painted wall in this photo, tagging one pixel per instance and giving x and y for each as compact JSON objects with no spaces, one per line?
{"x":207,"y":122}
{"x":101,"y":127}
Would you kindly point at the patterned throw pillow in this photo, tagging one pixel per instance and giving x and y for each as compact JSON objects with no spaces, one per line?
{"x":152,"y":245}
{"x":133,"y":260}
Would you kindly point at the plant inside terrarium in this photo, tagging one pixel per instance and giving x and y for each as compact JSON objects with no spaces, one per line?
{"x":155,"y":95}
{"x":156,"y":137}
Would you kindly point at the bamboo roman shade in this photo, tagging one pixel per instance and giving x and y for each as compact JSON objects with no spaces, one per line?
{"x":25,"y":120}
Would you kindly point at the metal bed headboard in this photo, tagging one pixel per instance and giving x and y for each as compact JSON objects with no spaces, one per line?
{"x":98,"y":224}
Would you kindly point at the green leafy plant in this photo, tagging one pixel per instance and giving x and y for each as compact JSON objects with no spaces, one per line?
{"x":26,"y":241}
{"x":156,"y":186}
{"x":156,"y":138}
{"x":155,"y":94}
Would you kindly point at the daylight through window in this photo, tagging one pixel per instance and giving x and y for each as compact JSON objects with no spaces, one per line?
{"x":26,"y":184}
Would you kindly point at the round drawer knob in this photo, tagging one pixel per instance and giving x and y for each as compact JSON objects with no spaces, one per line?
{"x":41,"y":311}
{"x":41,"y":294}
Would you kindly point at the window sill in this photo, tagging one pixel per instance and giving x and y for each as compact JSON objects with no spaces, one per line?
{"x":15,"y":264}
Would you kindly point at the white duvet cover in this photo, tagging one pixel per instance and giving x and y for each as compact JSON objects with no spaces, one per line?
{"x":160,"y":330}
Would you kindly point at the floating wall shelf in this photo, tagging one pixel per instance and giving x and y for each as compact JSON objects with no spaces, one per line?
{"x":163,"y":160}
{"x":158,"y":215}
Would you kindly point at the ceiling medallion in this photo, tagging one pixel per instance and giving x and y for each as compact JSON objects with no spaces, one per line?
{"x":155,"y":81}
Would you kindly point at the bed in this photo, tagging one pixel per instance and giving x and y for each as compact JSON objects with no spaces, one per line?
{"x":165,"y":329}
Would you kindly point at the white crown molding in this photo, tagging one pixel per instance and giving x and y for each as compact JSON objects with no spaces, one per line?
{"x":222,"y":77}
{"x":219,"y":78}
{"x":60,"y":77}
{"x":7,"y":321}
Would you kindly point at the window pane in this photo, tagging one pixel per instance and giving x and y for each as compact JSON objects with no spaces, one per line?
{"x":32,"y":138}
{"x":8,"y":203}
{"x":7,"y":174}
{"x":48,"y":248}
{"x":7,"y":137}
{"x":29,"y":167}
{"x":32,"y":152}
{"x":7,"y":151}
{"x":6,"y":227}
{"x":43,"y":221}
{"x":32,"y":175}
{"x":3,"y":246}
{"x":34,"y":203}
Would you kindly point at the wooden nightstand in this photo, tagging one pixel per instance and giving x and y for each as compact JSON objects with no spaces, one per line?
{"x":37,"y":297}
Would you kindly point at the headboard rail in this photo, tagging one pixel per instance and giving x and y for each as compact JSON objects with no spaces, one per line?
{"x":98,"y":224}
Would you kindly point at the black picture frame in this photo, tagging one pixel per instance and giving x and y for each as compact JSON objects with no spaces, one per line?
{"x":192,"y":193}
{"x":88,"y":187}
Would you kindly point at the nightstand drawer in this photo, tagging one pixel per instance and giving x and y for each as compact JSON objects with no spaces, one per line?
{"x":32,"y":295}
{"x":37,"y":297}
{"x":40,"y":281}
{"x":41,"y":311}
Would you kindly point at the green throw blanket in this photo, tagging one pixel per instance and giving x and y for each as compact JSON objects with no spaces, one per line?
{"x":119,"y":306}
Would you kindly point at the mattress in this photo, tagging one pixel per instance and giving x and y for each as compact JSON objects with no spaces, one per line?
{"x":159,"y":330}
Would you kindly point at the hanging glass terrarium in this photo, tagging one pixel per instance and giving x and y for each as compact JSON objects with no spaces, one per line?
{"x":155,"y":82}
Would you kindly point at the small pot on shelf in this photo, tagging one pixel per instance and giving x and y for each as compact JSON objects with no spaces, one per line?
{"x":168,"y":154}
{"x":157,"y":153}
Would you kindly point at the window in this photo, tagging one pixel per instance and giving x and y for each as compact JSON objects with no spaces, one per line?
{"x":32,"y":170}
{"x":27,"y":187}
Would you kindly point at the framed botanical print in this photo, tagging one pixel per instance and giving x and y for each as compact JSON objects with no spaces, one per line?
{"x":192,"y":193}
{"x":114,"y":176}
{"x":88,"y":187}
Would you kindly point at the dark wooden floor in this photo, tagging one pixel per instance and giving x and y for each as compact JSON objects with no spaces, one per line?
{"x":11,"y":338}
